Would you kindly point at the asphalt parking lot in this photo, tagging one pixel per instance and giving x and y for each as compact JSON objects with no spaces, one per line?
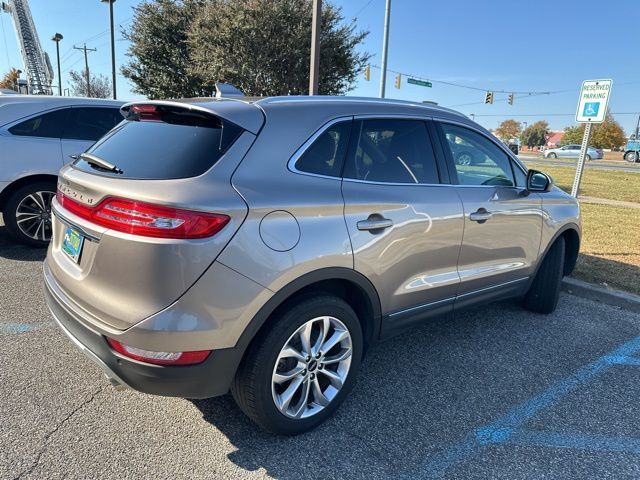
{"x":497,"y":393}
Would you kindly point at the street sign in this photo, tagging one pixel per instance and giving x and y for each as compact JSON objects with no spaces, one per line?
{"x":422,"y":83}
{"x":592,"y":104}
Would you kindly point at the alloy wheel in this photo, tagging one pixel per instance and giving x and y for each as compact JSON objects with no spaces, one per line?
{"x":33,"y":215}
{"x":311,"y":367}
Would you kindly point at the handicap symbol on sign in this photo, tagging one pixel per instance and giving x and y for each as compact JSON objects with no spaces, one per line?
{"x":591,"y":109}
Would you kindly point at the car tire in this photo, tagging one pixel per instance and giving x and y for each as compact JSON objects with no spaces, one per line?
{"x":631,"y":156}
{"x":256,"y":388}
{"x":552,"y":155}
{"x":544,"y":292}
{"x":587,"y":157}
{"x":464,"y":159}
{"x":32,"y":203}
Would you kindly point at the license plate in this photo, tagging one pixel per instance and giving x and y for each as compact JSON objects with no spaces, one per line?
{"x":72,"y":244}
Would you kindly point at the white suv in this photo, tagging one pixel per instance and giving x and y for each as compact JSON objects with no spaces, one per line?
{"x":38,"y":135}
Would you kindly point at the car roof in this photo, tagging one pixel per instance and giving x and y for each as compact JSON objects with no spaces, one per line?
{"x":15,"y":107}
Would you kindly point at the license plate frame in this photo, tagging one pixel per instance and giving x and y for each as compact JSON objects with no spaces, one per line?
{"x":72,"y":244}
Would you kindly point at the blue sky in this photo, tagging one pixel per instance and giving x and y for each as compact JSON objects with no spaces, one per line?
{"x":522,"y":46}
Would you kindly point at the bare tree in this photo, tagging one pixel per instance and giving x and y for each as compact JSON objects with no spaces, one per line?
{"x":99,"y":85}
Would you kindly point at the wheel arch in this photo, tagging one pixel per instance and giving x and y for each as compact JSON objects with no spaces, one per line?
{"x":22,"y":181}
{"x":345,"y":283}
{"x":571,"y":234}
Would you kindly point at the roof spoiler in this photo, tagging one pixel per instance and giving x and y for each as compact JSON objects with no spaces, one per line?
{"x":227,"y":91}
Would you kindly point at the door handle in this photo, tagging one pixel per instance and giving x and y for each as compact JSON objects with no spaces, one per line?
{"x":374,"y":222}
{"x":480,"y":216}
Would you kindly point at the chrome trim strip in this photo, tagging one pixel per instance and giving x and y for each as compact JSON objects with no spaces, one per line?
{"x":70,"y":224}
{"x":418,"y":307}
{"x":493,"y":287}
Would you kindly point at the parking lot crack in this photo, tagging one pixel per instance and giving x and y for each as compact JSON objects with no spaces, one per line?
{"x":58,"y":426}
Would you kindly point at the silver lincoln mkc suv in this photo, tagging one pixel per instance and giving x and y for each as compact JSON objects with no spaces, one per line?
{"x":262,"y":245}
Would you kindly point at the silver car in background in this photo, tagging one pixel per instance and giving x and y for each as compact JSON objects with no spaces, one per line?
{"x":573,"y":151}
{"x":38,"y":135}
{"x":262,"y":246}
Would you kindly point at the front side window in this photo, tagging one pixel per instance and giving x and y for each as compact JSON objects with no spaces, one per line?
{"x":90,"y":123}
{"x":47,"y":125}
{"x":391,"y":151}
{"x":326,"y":154}
{"x":477,"y":159}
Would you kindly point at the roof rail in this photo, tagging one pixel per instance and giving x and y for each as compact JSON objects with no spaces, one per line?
{"x":226,"y":90}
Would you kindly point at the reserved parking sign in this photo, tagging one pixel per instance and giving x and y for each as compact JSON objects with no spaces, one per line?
{"x":594,"y":97}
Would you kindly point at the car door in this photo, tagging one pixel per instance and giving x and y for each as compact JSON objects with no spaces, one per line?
{"x":502,"y":220}
{"x":405,"y":226}
{"x":84,"y":126}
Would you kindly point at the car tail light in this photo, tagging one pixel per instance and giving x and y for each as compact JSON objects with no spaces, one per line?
{"x":159,"y":358}
{"x":139,"y":218}
{"x":147,"y":112}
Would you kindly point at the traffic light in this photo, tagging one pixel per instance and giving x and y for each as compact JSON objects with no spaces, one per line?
{"x":398,"y":80}
{"x":510,"y":99}
{"x":367,"y":73}
{"x":488,"y":98}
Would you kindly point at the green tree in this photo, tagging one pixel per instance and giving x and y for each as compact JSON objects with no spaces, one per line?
{"x":99,"y":85}
{"x":535,"y":134}
{"x":9,"y":80}
{"x":508,"y":130}
{"x":181,"y":48}
{"x":607,"y":134}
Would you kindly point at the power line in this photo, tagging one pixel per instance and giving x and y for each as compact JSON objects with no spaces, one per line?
{"x":4,"y":36}
{"x":544,"y":114}
{"x":362,"y":9}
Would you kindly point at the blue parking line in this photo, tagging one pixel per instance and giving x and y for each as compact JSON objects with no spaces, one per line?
{"x":17,"y":328}
{"x":506,"y":428}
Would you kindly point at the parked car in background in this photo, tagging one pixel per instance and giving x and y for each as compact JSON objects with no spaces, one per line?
{"x":38,"y":135}
{"x":573,"y":151}
{"x":262,"y":246}
{"x":632,"y":150}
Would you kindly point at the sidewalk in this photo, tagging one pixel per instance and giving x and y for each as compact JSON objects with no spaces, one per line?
{"x":606,"y":201}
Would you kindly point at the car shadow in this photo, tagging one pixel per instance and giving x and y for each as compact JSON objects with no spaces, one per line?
{"x":615,"y":274}
{"x":421,"y":392}
{"x":11,"y":250}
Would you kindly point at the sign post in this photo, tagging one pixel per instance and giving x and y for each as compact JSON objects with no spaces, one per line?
{"x":592,"y":108}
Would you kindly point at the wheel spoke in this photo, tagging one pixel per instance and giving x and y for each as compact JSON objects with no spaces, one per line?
{"x":290,"y":352}
{"x":287,"y":395}
{"x":38,"y":200}
{"x":335,"y":379}
{"x":346,"y":353}
{"x":304,"y":400}
{"x":325,"y":324}
{"x":305,"y":338}
{"x":336,"y":338}
{"x":318,"y":396}
{"x":286,"y":376}
{"x":27,"y":217}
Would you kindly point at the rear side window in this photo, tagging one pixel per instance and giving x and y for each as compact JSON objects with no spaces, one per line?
{"x":326,"y":154}
{"x":47,"y":125}
{"x":90,"y":123}
{"x":391,"y":151}
{"x":171,"y":145}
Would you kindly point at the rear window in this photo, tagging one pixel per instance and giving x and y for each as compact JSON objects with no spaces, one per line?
{"x":178,"y":146}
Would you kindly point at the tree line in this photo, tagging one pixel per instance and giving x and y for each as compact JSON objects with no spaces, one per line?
{"x":608,"y":134}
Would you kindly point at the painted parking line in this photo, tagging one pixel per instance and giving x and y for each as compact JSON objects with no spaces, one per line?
{"x":506,"y":429}
{"x":18,"y":328}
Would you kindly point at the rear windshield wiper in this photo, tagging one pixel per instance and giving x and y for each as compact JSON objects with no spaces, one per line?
{"x":99,"y":162}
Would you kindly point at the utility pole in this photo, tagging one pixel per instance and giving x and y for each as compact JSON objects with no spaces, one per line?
{"x":113,"y":47}
{"x":385,"y":45}
{"x":314,"y":69}
{"x":86,"y":65}
{"x":56,"y":38}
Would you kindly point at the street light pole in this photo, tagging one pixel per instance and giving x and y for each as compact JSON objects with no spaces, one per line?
{"x":56,"y":38}
{"x":113,"y":47}
{"x":314,"y":69}
{"x":385,"y":45}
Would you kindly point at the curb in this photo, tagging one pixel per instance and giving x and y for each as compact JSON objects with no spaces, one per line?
{"x":608,"y":296}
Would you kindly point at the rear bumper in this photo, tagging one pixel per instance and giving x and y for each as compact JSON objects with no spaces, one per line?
{"x":211,"y":378}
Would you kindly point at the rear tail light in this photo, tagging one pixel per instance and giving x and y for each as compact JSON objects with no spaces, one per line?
{"x":147,"y":112}
{"x":139,"y":218}
{"x":159,"y":358}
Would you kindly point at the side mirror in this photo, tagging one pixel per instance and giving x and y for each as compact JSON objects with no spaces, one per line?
{"x":538,"y":181}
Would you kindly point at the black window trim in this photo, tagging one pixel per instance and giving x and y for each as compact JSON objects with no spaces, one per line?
{"x":9,"y":126}
{"x":514,"y":162}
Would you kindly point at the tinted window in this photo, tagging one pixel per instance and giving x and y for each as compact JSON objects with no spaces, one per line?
{"x":90,"y":123}
{"x":478,"y":160}
{"x":45,"y":125}
{"x":325,"y":156}
{"x":391,"y":151}
{"x":160,"y":150}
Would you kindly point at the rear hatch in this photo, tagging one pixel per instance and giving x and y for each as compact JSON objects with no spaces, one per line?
{"x":140,"y":217}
